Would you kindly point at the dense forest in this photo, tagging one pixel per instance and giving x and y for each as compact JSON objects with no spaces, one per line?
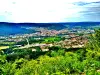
{"x":57,"y":61}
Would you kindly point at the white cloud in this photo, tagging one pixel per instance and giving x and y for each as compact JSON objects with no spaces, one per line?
{"x":40,"y":10}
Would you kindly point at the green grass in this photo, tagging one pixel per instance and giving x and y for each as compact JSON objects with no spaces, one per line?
{"x":3,"y":47}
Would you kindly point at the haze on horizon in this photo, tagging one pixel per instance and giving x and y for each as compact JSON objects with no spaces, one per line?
{"x":46,"y":11}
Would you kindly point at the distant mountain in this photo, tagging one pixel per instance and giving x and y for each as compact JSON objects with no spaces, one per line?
{"x":52,"y":25}
{"x":16,"y":28}
{"x":56,"y":26}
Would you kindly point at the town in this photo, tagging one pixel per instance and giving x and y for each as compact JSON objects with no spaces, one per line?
{"x":65,"y":38}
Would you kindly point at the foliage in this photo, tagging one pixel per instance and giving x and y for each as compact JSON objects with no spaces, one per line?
{"x":93,"y":47}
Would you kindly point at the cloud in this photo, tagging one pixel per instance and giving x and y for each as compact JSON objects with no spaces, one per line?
{"x":92,"y":11}
{"x":48,"y":10}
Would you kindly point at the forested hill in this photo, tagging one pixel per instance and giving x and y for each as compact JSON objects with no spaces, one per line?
{"x":57,"y":26}
{"x":50,"y":24}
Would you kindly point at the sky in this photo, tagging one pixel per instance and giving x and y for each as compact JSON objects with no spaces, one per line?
{"x":46,"y":11}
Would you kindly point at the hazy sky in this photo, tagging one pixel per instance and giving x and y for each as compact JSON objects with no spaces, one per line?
{"x":49,"y":10}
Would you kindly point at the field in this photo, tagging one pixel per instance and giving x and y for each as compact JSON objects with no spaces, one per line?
{"x":3,"y":47}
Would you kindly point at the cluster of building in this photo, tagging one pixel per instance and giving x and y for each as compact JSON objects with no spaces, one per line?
{"x":74,"y":41}
{"x":72,"y":38}
{"x":39,"y":33}
{"x":70,"y":41}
